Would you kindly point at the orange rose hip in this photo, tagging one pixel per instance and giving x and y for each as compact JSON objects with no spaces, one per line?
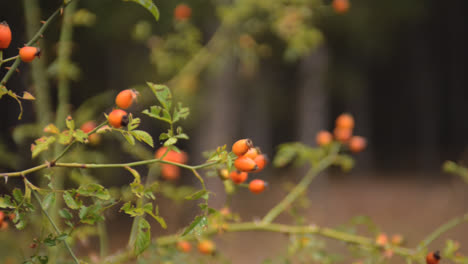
{"x":241,"y":146}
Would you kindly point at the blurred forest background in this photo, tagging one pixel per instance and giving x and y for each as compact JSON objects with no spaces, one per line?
{"x":398,"y":66}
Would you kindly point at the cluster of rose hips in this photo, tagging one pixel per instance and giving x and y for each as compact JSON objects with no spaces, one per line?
{"x":249,"y":160}
{"x":27,"y":53}
{"x":3,"y":221}
{"x":343,"y":133}
{"x":206,"y":247}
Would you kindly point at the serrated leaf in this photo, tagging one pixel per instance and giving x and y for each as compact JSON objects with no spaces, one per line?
{"x":163,"y":94}
{"x":171,"y":141}
{"x":130,"y":139}
{"x":49,"y":199}
{"x":180,"y":112}
{"x":69,"y":201}
{"x":94,"y":190}
{"x":143,"y":237}
{"x":197,"y":195}
{"x":196,"y":226}
{"x":141,"y":135}
{"x":149,"y":5}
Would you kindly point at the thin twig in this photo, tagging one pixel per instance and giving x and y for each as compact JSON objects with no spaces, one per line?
{"x":57,"y":230}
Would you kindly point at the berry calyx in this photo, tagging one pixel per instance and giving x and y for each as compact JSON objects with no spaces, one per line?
{"x":5,"y":35}
{"x":257,"y":186}
{"x":118,"y":118}
{"x":28,"y":53}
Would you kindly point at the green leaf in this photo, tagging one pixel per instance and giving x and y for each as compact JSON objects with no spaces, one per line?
{"x":91,"y":214}
{"x":143,"y":237}
{"x":70,"y":123}
{"x":40,"y":145}
{"x":18,"y":195}
{"x":80,"y":136}
{"x":141,"y":135}
{"x":196,"y":195}
{"x":196,"y":226}
{"x":49,"y":199}
{"x":64,"y":213}
{"x":133,"y":123}
{"x":71,"y":203}
{"x":94,"y":190}
{"x":170,"y":141}
{"x":129,"y":137}
{"x":149,"y":5}
{"x":5,"y":202}
{"x":163,"y":94}
{"x":180,"y":112}
{"x":50,"y":241}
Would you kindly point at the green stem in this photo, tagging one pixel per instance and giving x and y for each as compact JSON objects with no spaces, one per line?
{"x":43,"y":104}
{"x":301,"y":187}
{"x":57,"y":230}
{"x":103,"y":239}
{"x":442,"y":229}
{"x":63,"y":59}
{"x":9,"y":59}
{"x":33,"y":40}
{"x":102,"y":166}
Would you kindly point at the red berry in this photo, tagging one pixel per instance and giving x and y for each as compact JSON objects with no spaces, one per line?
{"x":238,"y":177}
{"x":257,"y":186}
{"x":5,"y":35}
{"x":118,"y":118}
{"x":245,"y":164}
{"x":182,"y":12}
{"x":433,"y":257}
{"x":125,"y":98}
{"x":241,"y":146}
{"x":27,"y":54}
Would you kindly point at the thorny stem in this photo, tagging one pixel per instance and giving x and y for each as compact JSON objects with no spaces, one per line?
{"x":33,"y":40}
{"x":301,"y":187}
{"x":57,"y":230}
